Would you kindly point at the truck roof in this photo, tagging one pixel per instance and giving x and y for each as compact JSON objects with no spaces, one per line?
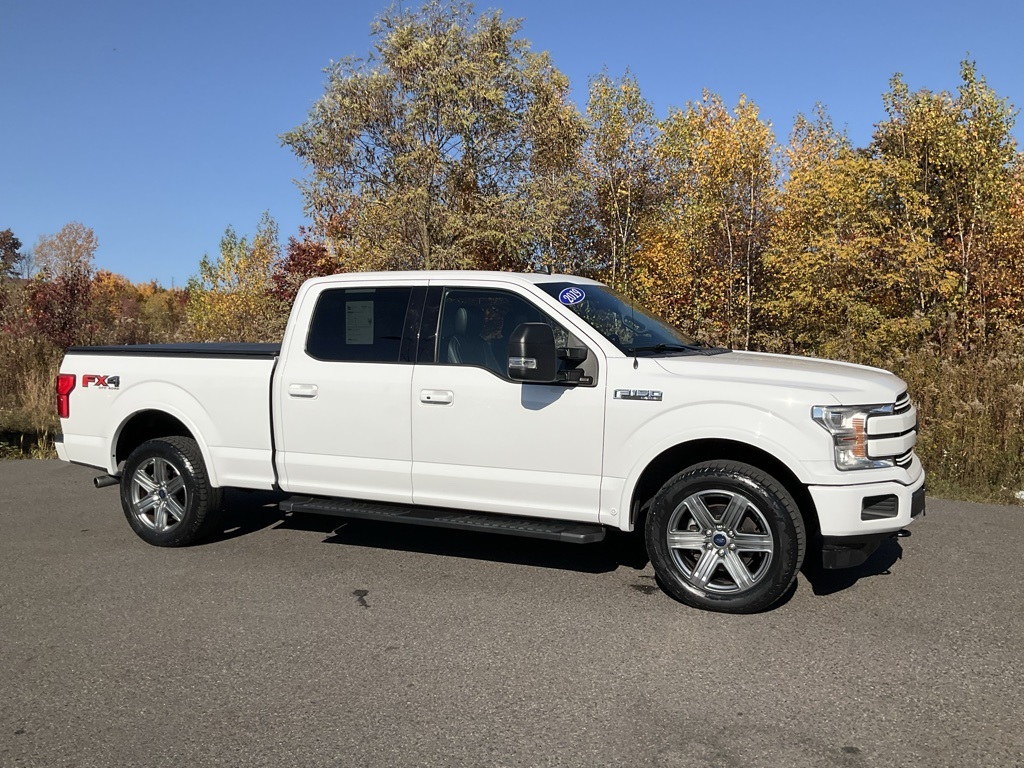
{"x":529,"y":278}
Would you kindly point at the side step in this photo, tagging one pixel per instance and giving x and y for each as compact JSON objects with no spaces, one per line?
{"x":531,"y":527}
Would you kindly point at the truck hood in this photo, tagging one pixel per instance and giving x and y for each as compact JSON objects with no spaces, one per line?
{"x":848,"y":383}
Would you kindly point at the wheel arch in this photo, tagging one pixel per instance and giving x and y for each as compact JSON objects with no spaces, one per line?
{"x":674,"y":460}
{"x":150,"y":424}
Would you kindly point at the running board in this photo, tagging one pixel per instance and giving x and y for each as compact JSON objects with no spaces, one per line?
{"x":531,"y":527}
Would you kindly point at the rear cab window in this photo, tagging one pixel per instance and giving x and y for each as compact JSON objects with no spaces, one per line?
{"x":365,"y":325}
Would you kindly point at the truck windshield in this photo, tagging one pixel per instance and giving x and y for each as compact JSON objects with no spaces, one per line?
{"x":634,"y":330}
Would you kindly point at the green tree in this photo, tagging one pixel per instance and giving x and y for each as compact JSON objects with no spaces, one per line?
{"x":960,"y":161}
{"x":420,"y":156}
{"x":232,"y":298}
{"x":10,"y":254}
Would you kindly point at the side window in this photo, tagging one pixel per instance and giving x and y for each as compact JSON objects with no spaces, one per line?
{"x":476,"y":326}
{"x":359,"y":325}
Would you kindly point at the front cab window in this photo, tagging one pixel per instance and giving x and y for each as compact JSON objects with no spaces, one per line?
{"x":476,"y":326}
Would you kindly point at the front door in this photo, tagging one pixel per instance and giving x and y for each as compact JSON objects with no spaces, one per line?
{"x":482,"y":441}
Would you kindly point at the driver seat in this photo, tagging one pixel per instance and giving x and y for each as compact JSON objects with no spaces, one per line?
{"x":466,"y":345}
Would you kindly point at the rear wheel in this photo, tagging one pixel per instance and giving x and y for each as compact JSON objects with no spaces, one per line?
{"x":725,"y":536}
{"x":166,"y":494}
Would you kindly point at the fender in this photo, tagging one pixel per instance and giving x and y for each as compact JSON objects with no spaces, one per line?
{"x":174,"y":401}
{"x":769,"y":431}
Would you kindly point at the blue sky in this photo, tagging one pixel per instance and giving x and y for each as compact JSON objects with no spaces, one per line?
{"x":156,"y":123}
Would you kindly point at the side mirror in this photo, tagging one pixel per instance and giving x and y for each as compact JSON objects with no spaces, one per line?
{"x":531,"y":354}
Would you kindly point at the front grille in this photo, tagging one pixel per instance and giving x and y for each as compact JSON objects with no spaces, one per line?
{"x":892,"y":432}
{"x":902,"y":404}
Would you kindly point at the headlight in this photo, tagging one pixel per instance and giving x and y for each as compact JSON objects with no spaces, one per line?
{"x":848,"y":427}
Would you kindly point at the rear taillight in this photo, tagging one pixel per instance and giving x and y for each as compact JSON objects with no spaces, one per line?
{"x":65,"y":383}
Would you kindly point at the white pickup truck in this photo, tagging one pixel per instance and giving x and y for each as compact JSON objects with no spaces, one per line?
{"x":529,"y":404}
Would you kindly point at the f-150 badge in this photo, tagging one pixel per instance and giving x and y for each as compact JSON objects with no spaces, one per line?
{"x":637,"y":394}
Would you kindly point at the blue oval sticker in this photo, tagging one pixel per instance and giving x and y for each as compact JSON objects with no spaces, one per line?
{"x":572,"y":296}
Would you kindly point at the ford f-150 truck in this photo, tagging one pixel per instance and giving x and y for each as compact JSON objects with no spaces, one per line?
{"x":530,"y":404}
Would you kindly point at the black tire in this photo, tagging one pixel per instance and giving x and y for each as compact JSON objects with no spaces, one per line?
{"x":738,"y":539}
{"x":166,"y":494}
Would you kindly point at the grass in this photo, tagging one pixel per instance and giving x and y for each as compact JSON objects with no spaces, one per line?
{"x":27,"y":417}
{"x":972,"y":420}
{"x":23,"y":445}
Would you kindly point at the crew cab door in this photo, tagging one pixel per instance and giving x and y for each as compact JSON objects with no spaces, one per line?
{"x":343,"y":419}
{"x":482,"y":441}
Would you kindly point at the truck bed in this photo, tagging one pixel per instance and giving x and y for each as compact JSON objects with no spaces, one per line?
{"x":195,"y":349}
{"x":220,"y":391}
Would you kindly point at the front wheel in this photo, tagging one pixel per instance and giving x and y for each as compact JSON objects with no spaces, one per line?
{"x":166,"y":494}
{"x":725,"y":536}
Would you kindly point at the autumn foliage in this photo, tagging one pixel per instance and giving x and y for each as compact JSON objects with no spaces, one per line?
{"x":455,"y":145}
{"x":53,"y":297}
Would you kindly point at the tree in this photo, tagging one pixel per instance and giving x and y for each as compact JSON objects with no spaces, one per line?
{"x":620,"y":152}
{"x":559,"y":185}
{"x":420,"y":156}
{"x":959,"y":159}
{"x":843,"y":276}
{"x":59,"y":307}
{"x":232,"y":299}
{"x":71,"y":250}
{"x":721,"y":181}
{"x":115,"y":310}
{"x":10,"y":254}
{"x":59,"y":294}
{"x":306,"y":257}
{"x":162,"y":312}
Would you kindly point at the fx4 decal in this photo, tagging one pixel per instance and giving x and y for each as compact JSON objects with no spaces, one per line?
{"x":102,"y":382}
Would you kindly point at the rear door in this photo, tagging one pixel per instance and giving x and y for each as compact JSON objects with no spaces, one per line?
{"x":343,"y":417}
{"x":482,"y":441}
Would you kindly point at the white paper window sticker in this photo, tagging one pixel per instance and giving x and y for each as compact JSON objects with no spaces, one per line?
{"x":359,"y":322}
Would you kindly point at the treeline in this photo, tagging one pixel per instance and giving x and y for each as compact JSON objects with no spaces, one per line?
{"x":453,"y":145}
{"x":53,"y":297}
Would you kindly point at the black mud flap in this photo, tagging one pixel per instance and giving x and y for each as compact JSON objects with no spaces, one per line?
{"x":917,"y":503}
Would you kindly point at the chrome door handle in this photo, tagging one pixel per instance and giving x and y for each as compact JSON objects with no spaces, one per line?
{"x":302,"y":390}
{"x":437,"y":396}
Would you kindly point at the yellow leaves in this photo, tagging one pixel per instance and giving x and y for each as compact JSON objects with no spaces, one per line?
{"x":721,"y":172}
{"x":232,"y":298}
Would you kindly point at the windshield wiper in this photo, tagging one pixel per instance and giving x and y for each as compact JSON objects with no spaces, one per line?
{"x":697,"y":348}
{"x":664,"y":348}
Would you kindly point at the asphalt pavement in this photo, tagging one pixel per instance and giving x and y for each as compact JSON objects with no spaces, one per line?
{"x":297,"y":640}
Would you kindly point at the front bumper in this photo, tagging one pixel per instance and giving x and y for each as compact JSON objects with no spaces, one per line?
{"x":850,"y":551}
{"x":852,"y":510}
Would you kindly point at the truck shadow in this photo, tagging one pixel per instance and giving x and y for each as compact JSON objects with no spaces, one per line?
{"x":616,"y":550}
{"x":252,"y":511}
{"x":247,"y":512}
{"x":880,"y":563}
